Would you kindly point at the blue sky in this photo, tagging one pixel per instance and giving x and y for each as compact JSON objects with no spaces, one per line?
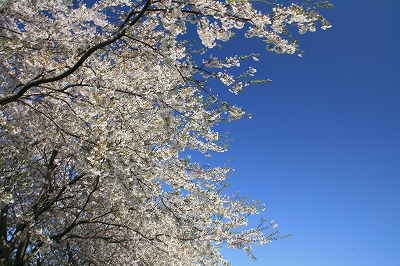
{"x":323,"y":147}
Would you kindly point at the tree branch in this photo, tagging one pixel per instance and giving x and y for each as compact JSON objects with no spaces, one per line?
{"x":119,"y":34}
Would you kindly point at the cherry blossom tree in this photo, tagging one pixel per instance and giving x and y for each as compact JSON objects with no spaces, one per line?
{"x":101,"y":104}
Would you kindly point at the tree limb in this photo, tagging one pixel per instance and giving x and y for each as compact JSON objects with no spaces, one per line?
{"x":36,"y":82}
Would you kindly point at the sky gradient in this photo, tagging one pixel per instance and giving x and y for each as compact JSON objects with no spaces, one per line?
{"x":323,"y":147}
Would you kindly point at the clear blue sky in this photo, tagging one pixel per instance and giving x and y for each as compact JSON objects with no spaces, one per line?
{"x":323,"y":147}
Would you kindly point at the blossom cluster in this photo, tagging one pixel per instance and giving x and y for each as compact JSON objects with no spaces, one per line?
{"x":101,"y":106}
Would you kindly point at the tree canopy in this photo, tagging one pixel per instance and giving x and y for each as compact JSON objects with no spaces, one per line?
{"x":101,"y":104}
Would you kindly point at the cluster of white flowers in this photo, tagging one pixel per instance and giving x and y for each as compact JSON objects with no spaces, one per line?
{"x":100,"y":106}
{"x":235,"y":113}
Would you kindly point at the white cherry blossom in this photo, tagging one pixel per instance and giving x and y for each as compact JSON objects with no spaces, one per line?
{"x":101,"y":106}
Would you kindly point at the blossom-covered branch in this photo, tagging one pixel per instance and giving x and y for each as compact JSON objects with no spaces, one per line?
{"x":101,"y":108}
